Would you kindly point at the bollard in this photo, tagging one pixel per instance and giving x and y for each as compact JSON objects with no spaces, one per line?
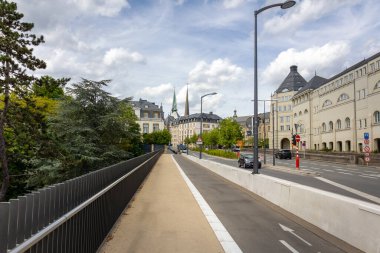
{"x":297,"y":159}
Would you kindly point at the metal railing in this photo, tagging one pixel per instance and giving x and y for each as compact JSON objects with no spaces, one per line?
{"x":73,"y":216}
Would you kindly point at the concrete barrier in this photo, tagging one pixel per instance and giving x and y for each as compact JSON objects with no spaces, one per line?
{"x":353,"y":221}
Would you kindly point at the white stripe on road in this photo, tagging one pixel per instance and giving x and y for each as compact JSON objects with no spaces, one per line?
{"x":293,"y":250}
{"x":346,"y":173}
{"x":349,"y":189}
{"x":225,"y":239}
{"x":328,"y":170}
{"x":336,"y":166}
{"x":368,"y":176}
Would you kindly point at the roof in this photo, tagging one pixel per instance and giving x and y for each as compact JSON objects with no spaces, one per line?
{"x":146,"y":105}
{"x":293,"y":82}
{"x":196,"y":116}
{"x":314,"y":83}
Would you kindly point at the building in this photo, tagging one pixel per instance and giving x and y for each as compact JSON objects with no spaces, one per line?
{"x":331,"y":114}
{"x":150,"y":116}
{"x":246,"y":123}
{"x":185,"y":126}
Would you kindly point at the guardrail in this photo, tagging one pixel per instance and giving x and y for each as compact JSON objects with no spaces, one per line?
{"x":73,"y":216}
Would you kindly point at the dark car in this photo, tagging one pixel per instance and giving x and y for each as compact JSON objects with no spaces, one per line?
{"x":284,"y":154}
{"x":235,"y":149}
{"x":246,"y":161}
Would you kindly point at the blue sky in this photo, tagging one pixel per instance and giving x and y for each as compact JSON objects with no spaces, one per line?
{"x":151,"y":47}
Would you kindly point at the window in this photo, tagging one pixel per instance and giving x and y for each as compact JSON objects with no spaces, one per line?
{"x":323,"y":127}
{"x":372,"y":66}
{"x":338,"y":124}
{"x":145,"y":128}
{"x":282,"y":128}
{"x":365,"y":122}
{"x":327,"y":103}
{"x":360,"y":123}
{"x":282,"y":119}
{"x":306,"y":111}
{"x":343,"y":97}
{"x":295,"y":115}
{"x":289,"y":107}
{"x":288,"y":127}
{"x":287,"y":118}
{"x":331,"y":126}
{"x":156,"y":127}
{"x":377,"y":85}
{"x":376,"y":117}
{"x":348,"y":122}
{"x":300,"y":113}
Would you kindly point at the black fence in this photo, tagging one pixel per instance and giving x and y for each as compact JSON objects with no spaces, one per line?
{"x":73,"y":216}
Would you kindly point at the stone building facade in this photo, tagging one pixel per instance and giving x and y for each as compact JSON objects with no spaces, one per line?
{"x":150,"y":116}
{"x":332,"y":113}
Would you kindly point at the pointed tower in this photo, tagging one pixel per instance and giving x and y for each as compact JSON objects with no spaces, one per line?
{"x":187,"y":102}
{"x":174,"y":111}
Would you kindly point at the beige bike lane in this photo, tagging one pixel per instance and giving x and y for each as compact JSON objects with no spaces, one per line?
{"x":163,"y":217}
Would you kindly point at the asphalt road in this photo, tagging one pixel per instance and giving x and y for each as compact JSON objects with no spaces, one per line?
{"x":359,"y":182}
{"x":254,"y":224}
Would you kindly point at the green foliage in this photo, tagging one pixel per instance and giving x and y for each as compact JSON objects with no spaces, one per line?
{"x":211,"y":138}
{"x":221,"y":153}
{"x":193,"y":139}
{"x":16,"y":62}
{"x":93,"y":129}
{"x":49,"y":87}
{"x":229,"y":132}
{"x":161,"y":137}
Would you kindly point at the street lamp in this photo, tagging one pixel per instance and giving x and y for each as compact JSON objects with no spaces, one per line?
{"x":284,"y":5}
{"x":200,"y":134}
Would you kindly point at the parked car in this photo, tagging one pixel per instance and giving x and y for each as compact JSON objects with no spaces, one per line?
{"x":246,"y":161}
{"x":284,"y":154}
{"x":182,"y":148}
{"x":235,"y":149}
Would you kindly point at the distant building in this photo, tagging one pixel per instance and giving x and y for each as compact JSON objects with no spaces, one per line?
{"x":150,"y":116}
{"x":330,"y":113}
{"x":185,"y":126}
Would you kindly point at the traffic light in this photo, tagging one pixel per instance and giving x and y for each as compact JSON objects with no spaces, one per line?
{"x":294,"y":139}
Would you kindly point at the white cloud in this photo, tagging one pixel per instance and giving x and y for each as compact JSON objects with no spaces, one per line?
{"x":157,"y":91}
{"x":321,"y":59}
{"x":107,"y":8}
{"x":304,"y":12}
{"x":179,"y":2}
{"x":229,"y":4}
{"x":118,"y":55}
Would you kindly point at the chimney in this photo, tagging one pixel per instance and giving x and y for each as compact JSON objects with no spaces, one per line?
{"x":293,"y":68}
{"x":211,"y":113}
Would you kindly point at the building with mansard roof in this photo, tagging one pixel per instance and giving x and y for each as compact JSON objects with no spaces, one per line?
{"x":150,"y":116}
{"x":182,"y":127}
{"x":331,"y":114}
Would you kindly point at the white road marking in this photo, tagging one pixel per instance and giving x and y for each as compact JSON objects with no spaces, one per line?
{"x":360,"y":193}
{"x":336,"y":166}
{"x":293,"y":250}
{"x":225,"y":239}
{"x":346,"y":173}
{"x":286,"y":229}
{"x":328,"y":170}
{"x":367,"y":176}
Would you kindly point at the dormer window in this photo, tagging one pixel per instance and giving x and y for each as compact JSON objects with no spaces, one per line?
{"x":285,"y":90}
{"x":327,"y":103}
{"x":343,"y":97}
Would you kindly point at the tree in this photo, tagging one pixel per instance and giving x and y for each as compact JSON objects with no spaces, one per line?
{"x":161,"y":137}
{"x":93,"y":129}
{"x":230,"y":132}
{"x":16,"y":57}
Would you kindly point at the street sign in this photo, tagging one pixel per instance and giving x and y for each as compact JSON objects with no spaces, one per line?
{"x":367,"y":159}
{"x":366,"y":141}
{"x":366,"y":136}
{"x":199,"y":141}
{"x":367,"y":149}
{"x":366,"y":154}
{"x":298,"y":138}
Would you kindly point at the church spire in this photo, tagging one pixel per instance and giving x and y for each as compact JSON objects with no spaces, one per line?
{"x":187,"y":101}
{"x":174,"y":104}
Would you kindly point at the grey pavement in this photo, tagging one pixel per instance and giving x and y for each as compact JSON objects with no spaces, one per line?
{"x":163,"y":217}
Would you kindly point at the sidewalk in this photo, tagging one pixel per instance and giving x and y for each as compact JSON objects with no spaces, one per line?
{"x":163,"y":217}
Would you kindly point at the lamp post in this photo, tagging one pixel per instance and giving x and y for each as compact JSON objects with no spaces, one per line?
{"x":284,"y":5}
{"x":200,"y":133}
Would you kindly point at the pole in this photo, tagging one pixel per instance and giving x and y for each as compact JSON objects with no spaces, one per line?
{"x":274,"y":158}
{"x":265,"y":138}
{"x":255,"y":134}
{"x":297,"y":159}
{"x":200,"y":133}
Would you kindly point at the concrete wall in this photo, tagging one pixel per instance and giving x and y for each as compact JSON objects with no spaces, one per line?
{"x":355,"y":222}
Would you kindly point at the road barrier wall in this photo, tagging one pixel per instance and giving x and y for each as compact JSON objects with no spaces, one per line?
{"x":353,"y":221}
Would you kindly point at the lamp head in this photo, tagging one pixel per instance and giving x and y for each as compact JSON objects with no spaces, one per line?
{"x":288,"y":4}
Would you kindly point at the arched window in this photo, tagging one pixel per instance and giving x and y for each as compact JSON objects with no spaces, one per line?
{"x":331,"y":126}
{"x":327,"y":103}
{"x":295,"y":115}
{"x":376,"y":117}
{"x":377,"y":85}
{"x":306,"y":111}
{"x":338,"y":124}
{"x":300,"y":113}
{"x":348,"y":122}
{"x":323,"y":127}
{"x":343,"y":97}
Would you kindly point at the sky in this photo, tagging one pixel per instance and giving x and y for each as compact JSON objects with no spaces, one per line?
{"x":149,"y":48}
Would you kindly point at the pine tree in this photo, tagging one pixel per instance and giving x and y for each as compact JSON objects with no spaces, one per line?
{"x":16,"y":58}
